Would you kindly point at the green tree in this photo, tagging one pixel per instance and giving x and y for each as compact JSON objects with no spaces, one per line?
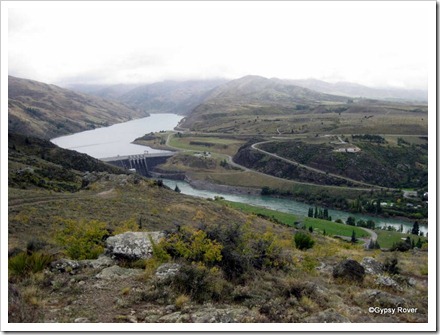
{"x":351,"y":221}
{"x":353,"y":237}
{"x":266,"y":190}
{"x":415,"y":229}
{"x":361,"y":223}
{"x":376,"y":245}
{"x":378,"y":208}
{"x":371,"y":224}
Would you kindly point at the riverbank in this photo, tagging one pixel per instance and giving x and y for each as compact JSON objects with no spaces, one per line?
{"x":234,"y":190}
{"x":206,"y":189}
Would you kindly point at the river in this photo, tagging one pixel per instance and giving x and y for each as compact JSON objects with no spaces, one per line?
{"x":116,"y":140}
{"x":286,"y":205}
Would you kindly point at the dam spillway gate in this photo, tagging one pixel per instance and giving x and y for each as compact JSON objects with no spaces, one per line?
{"x":140,"y":163}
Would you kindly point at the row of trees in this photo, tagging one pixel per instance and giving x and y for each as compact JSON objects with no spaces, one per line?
{"x":351,"y":221}
{"x":373,"y":206}
{"x":319,"y":213}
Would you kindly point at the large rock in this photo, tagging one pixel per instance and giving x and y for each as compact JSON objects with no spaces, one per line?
{"x":387,"y":281}
{"x":102,"y":262}
{"x":116,"y":272}
{"x":65,"y":265}
{"x":372,"y":266}
{"x":381,"y":299}
{"x":167,"y":270}
{"x":350,"y":270}
{"x":133,"y":245}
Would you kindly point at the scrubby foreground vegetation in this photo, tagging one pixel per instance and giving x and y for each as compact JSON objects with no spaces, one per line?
{"x":206,"y":261}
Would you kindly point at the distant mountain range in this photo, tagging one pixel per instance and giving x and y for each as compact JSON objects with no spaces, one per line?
{"x":162,"y":97}
{"x":361,"y":91}
{"x":47,"y":111}
{"x":181,"y":97}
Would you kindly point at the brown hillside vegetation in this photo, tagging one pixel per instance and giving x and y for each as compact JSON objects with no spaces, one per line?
{"x":257,"y":105}
{"x":48,"y":111}
{"x":213,"y":263}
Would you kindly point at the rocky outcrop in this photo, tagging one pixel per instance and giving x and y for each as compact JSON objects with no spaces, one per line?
{"x":65,"y":265}
{"x":381,"y":299}
{"x":388,"y":282}
{"x":213,"y":315}
{"x":132,"y":245}
{"x":103,"y":261}
{"x":167,"y":270}
{"x":116,"y":272}
{"x":350,"y":270}
{"x":327,"y":316}
{"x":372,"y":266}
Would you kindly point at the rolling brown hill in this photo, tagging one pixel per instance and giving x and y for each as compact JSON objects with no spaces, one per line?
{"x":47,"y":111}
{"x":258,"y":105}
{"x":249,"y":96}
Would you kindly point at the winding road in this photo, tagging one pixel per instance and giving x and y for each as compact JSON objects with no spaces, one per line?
{"x":254,"y":146}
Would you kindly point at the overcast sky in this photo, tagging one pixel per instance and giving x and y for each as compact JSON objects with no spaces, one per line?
{"x":372,"y":43}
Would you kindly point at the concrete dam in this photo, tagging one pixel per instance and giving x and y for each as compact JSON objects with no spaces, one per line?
{"x":143,"y":164}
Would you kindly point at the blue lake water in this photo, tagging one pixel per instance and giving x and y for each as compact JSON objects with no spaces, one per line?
{"x":116,"y":139}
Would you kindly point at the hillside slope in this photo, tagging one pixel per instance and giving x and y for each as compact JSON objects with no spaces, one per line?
{"x":260,"y":106}
{"x":170,"y":96}
{"x":214,"y":263}
{"x":47,"y":111}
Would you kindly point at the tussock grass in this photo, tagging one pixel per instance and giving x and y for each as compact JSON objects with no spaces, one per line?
{"x":23,"y":264}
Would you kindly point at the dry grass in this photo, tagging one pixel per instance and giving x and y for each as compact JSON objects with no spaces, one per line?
{"x":182,"y":300}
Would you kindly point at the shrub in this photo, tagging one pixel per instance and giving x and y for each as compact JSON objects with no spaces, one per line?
{"x":35,"y":245}
{"x":201,"y":283}
{"x":390,"y":265}
{"x":23,"y":263}
{"x":17,"y":265}
{"x":193,"y":245}
{"x":128,"y":225}
{"x":181,"y":300}
{"x":303,"y":241}
{"x":82,"y":239}
{"x":159,"y":257}
{"x":266,"y":251}
{"x":401,"y":246}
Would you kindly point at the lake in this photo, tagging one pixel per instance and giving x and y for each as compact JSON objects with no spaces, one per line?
{"x":116,"y":139}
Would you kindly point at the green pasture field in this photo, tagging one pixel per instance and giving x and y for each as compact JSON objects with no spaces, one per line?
{"x":331,"y":228}
{"x":386,"y":238}
{"x":213,"y":144}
